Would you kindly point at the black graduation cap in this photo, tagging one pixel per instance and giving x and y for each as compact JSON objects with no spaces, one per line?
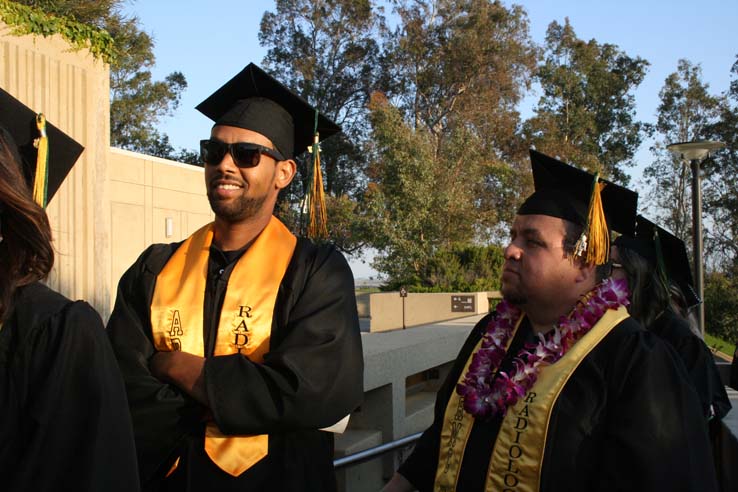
{"x":564,"y":191}
{"x":20,"y":122}
{"x":256,"y":101}
{"x":657,"y":245}
{"x":569,"y":193}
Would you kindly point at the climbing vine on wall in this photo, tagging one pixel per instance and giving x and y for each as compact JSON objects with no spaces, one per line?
{"x":28,"y":20}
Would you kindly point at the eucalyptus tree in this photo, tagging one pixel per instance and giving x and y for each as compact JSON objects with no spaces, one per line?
{"x":586,"y":113}
{"x":687,"y":111}
{"x":328,"y":52}
{"x":444,"y":147}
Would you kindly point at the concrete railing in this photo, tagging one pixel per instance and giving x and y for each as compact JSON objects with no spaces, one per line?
{"x":403,"y":370}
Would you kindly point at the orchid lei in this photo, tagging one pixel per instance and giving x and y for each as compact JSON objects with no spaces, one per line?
{"x":486,"y":395}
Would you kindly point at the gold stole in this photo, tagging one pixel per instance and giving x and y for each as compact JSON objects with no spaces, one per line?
{"x":457,"y":425}
{"x":177,"y":315}
{"x":515,"y":464}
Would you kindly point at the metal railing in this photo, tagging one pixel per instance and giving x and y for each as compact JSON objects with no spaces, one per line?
{"x":371,"y":453}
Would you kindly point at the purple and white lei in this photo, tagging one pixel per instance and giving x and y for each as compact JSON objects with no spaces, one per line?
{"x":486,"y":395}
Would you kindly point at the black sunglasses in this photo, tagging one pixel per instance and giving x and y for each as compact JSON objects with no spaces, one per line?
{"x":244,"y":154}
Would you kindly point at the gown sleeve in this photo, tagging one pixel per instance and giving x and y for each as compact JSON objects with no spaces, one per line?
{"x":700,"y":365}
{"x":75,"y":424}
{"x":312,"y":376}
{"x":655,"y":437}
{"x":162,"y":414}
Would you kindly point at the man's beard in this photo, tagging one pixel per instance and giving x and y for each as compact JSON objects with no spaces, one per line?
{"x":237,"y":210}
{"x":513,"y":296}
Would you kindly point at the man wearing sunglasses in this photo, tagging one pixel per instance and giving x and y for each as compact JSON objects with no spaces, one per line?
{"x":241,"y":343}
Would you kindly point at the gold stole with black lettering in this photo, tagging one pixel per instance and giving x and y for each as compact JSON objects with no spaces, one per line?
{"x":245,"y":320}
{"x":515,"y":464}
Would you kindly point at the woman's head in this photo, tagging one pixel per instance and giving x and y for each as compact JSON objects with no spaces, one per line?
{"x":26,"y":253}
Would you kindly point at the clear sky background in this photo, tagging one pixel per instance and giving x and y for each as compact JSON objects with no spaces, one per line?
{"x":209,"y":42}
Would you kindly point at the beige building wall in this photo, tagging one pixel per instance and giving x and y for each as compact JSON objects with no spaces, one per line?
{"x":72,"y":89}
{"x":152,"y":200}
{"x":113,"y":203}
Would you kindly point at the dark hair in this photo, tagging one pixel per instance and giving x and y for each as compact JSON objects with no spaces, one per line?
{"x":678,"y":303}
{"x":26,"y":254}
{"x":572,"y":231}
{"x":649,"y":297}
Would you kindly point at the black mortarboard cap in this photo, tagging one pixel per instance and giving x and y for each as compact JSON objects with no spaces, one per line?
{"x":672,"y":250}
{"x":20,"y":122}
{"x":256,"y":101}
{"x":569,"y":193}
{"x":564,"y":191}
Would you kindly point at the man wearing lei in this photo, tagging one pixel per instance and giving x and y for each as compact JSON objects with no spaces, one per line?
{"x":559,"y":389}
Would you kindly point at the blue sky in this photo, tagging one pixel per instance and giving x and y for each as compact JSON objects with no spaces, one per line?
{"x":211,"y":41}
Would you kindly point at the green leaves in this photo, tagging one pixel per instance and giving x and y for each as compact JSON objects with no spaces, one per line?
{"x":327,"y":51}
{"x":686,"y":111}
{"x":586,"y":114}
{"x":29,"y":20}
{"x":721,"y":306}
{"x":136,"y":101}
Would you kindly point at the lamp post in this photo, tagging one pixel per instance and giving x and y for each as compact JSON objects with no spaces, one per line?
{"x":695,"y":152}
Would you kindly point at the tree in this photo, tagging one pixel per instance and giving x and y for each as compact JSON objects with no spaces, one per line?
{"x":721,"y":306}
{"x":401,"y":195}
{"x":586,"y":114}
{"x":463,"y":268}
{"x":445,"y":156}
{"x":461,"y":63}
{"x":137,"y":102}
{"x":420,"y":203}
{"x":686,"y":112}
{"x":325,"y":50}
{"x":722,"y":176}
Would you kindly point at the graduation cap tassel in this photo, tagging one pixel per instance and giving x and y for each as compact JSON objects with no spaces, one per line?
{"x":317,"y":224}
{"x":594,"y":243}
{"x":40,"y":182}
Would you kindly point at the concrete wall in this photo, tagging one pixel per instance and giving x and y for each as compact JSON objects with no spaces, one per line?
{"x":403,"y":369}
{"x":145,"y":193}
{"x":72,"y":89}
{"x":388,"y":313}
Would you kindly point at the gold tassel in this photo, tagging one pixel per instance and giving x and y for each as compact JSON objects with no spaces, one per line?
{"x":594,"y":243}
{"x":42,"y":160}
{"x":317,"y":227}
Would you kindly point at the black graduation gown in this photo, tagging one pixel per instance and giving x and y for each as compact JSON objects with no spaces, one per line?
{"x":698,"y":360}
{"x":65,"y":422}
{"x":625,"y":421}
{"x":311,"y":378}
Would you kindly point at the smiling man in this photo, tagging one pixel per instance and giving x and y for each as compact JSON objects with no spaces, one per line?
{"x":239,"y":344}
{"x":559,"y":389}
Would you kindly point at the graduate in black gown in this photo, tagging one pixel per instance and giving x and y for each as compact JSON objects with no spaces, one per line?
{"x":654,"y":262}
{"x":241,"y":343}
{"x":65,"y":423}
{"x":559,"y":389}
